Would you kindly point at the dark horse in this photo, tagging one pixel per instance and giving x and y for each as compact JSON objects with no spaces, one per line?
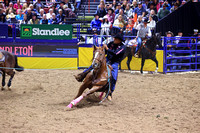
{"x":97,"y":80}
{"x":8,"y":62}
{"x":147,"y":51}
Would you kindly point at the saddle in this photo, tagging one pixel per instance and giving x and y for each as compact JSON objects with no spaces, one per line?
{"x":2,"y":57}
{"x":143,"y":45}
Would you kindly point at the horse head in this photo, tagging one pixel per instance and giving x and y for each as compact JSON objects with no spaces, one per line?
{"x":98,"y":57}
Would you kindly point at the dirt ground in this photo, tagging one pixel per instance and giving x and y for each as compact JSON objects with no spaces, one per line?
{"x":150,"y":103}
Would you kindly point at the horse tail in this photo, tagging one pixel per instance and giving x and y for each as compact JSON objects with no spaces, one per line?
{"x":17,"y":67}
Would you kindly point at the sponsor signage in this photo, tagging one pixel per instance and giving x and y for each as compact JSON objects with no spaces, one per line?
{"x":41,"y":49}
{"x":3,"y":31}
{"x":59,"y":32}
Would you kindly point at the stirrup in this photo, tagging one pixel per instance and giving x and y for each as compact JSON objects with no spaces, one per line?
{"x":136,"y":55}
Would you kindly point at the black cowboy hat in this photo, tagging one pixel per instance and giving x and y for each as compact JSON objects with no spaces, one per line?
{"x":145,"y":20}
{"x":111,"y":10}
{"x":119,"y":36}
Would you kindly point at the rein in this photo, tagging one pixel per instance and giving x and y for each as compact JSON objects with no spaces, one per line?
{"x":109,"y":84}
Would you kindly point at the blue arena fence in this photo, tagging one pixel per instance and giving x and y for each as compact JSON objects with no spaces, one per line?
{"x":181,"y":54}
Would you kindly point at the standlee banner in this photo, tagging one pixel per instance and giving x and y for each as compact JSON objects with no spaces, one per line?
{"x":58,"y":32}
{"x":32,"y":49}
{"x":3,"y":31}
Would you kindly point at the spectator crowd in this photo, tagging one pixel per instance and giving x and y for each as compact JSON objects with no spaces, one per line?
{"x":126,"y":15}
{"x":38,"y":12}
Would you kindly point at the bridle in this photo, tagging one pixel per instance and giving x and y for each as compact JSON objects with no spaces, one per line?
{"x":97,"y":65}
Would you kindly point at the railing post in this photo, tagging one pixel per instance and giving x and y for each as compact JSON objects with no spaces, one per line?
{"x":165,"y":56}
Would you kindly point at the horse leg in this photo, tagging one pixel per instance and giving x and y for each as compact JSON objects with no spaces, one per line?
{"x":3,"y":80}
{"x":81,"y":90}
{"x":129,"y":61}
{"x":156,"y":61}
{"x":142,"y":65}
{"x":11,"y":73}
{"x":78,"y":99}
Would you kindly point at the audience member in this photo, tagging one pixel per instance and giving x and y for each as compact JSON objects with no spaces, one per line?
{"x":49,"y":15}
{"x":38,"y":5}
{"x":44,"y":20}
{"x":124,"y":4}
{"x":60,"y":17}
{"x":121,"y":12}
{"x":17,"y":6}
{"x":101,"y":11}
{"x":10,"y":7}
{"x":117,"y":8}
{"x":139,"y":21}
{"x":2,"y":16}
{"x":162,"y":12}
{"x":95,"y":24}
{"x":34,"y":19}
{"x":20,"y":16}
{"x":152,"y":23}
{"x":105,"y":26}
{"x":128,"y":11}
{"x":119,"y":24}
{"x":25,"y":20}
{"x":29,"y":14}
{"x":139,"y":10}
{"x":41,"y":14}
{"x":174,"y":7}
{"x":53,"y":20}
{"x":111,"y":15}
{"x":134,"y":4}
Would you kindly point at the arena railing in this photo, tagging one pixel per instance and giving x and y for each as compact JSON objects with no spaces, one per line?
{"x":181,"y":54}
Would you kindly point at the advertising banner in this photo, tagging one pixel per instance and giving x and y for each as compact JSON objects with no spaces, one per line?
{"x":3,"y":31}
{"x":41,"y":49}
{"x":58,"y":32}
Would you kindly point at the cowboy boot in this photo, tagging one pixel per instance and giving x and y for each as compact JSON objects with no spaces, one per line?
{"x":80,"y":77}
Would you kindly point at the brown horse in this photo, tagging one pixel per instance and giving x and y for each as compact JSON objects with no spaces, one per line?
{"x":8,"y":62}
{"x":97,"y":80}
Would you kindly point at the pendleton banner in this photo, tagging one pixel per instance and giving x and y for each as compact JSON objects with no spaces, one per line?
{"x":58,"y":32}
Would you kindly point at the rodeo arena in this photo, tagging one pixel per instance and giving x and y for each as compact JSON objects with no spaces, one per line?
{"x":87,"y":66}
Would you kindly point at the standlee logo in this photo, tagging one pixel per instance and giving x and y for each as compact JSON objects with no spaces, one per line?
{"x":46,"y":32}
{"x":54,"y":32}
{"x":27,"y":31}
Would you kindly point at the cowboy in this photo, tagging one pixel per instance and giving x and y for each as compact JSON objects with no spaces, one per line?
{"x":115,"y":51}
{"x":143,"y":34}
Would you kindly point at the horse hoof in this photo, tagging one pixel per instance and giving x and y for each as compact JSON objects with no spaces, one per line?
{"x":2,"y":88}
{"x":9,"y":88}
{"x":70,"y":106}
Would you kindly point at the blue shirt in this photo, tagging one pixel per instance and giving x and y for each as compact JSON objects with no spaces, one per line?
{"x":139,"y":11}
{"x":19,"y":18}
{"x":95,"y":23}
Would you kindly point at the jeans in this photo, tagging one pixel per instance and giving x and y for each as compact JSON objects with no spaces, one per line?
{"x":139,"y":40}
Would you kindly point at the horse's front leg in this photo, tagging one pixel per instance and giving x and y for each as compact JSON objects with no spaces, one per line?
{"x":156,"y":61}
{"x":12,"y":74}
{"x":142,"y":65}
{"x":129,"y":61}
{"x":78,"y":99}
{"x":3,"y":80}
